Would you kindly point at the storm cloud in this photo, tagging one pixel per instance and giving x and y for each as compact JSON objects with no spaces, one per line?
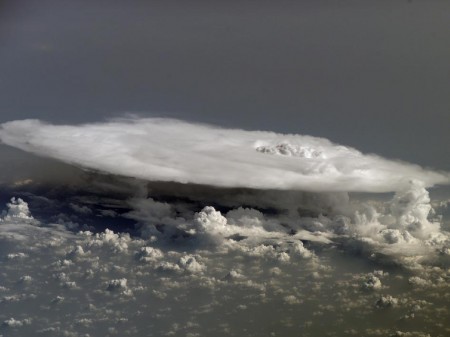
{"x":159,"y":149}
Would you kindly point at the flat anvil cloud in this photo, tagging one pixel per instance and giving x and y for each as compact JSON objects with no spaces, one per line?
{"x":160,"y":149}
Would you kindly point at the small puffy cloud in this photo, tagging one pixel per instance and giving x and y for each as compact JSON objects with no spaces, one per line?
{"x":397,"y":236}
{"x":291,"y":299}
{"x":299,"y":250}
{"x":15,"y":323}
{"x":245,"y":217}
{"x":14,"y":256}
{"x":57,"y":299}
{"x":268,"y":252}
{"x":371,"y":282}
{"x":191,"y":264}
{"x":410,"y":334}
{"x":117,"y":284}
{"x":210,"y":226}
{"x":17,"y":211}
{"x":168,"y":267}
{"x":420,"y":282}
{"x":25,"y":279}
{"x":386,"y":302}
{"x":118,"y":242}
{"x":76,"y":252}
{"x":210,"y":220}
{"x":149,"y":254}
{"x":233,"y":275}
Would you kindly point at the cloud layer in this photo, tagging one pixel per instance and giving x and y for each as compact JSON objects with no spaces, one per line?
{"x":115,"y":284}
{"x":159,"y":149}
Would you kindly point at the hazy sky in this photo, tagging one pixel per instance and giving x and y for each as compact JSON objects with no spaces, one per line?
{"x":370,"y":74}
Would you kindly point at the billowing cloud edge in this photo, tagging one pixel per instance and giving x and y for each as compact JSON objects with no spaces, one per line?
{"x":160,"y":149}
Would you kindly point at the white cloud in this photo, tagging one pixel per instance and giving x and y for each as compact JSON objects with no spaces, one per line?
{"x":371,"y":282}
{"x":161,"y":149}
{"x":116,"y":242}
{"x":245,"y":217}
{"x":25,"y":279}
{"x":234,"y":275}
{"x":149,"y":254}
{"x":291,"y":299}
{"x":172,"y":150}
{"x":386,"y":301}
{"x":18,"y":211}
{"x":190,"y":264}
{"x":419,"y":282}
{"x":14,"y":323}
{"x":117,"y":284}
{"x":396,"y":236}
{"x":109,"y":279}
{"x":300,"y":250}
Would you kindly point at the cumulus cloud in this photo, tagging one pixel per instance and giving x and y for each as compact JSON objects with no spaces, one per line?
{"x":190,"y":264}
{"x":121,"y":278}
{"x":160,"y":149}
{"x":386,"y":302}
{"x":149,"y":254}
{"x":14,"y":323}
{"x":284,"y":227}
{"x":17,"y":211}
{"x":398,"y":229}
{"x":117,"y":284}
{"x":372,"y":283}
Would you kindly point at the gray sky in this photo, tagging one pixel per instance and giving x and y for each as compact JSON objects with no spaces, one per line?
{"x":371,"y":74}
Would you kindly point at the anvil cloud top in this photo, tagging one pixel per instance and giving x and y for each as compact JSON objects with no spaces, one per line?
{"x":159,"y":149}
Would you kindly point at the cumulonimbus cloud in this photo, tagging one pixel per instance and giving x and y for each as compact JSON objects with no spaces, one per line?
{"x":160,"y":149}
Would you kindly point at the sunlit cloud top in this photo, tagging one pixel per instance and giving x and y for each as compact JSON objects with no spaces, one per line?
{"x":160,"y":149}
